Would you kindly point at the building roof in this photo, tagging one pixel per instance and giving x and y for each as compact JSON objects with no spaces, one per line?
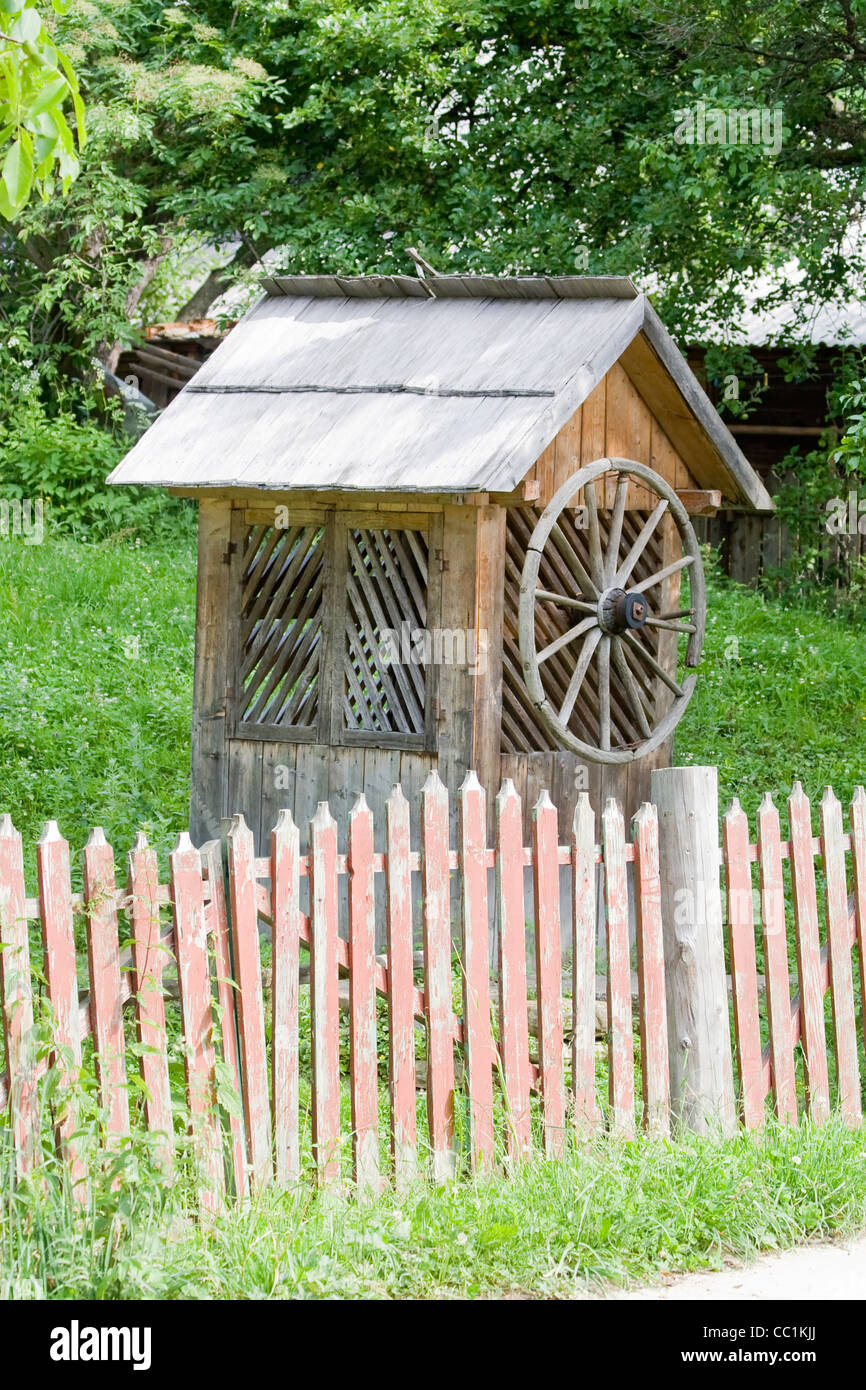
{"x":447,"y":384}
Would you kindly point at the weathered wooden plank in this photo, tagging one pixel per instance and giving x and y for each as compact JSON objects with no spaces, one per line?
{"x":513,"y":1019}
{"x":776,"y":960}
{"x":548,"y":969}
{"x":858,"y":858}
{"x":214,"y":653}
{"x":478,"y":1041}
{"x":839,"y":959}
{"x":744,"y":970}
{"x":285,"y":957}
{"x":584,"y":916}
{"x":58,"y":944}
{"x":812,"y":1034}
{"x":216,"y":916}
{"x":401,"y":1015}
{"x":621,"y":1044}
{"x":17,"y":993}
{"x":149,"y":957}
{"x":324,"y":997}
{"x":435,"y":876}
{"x":106,"y":1007}
{"x":250,"y":1009}
{"x":655,"y":1074}
{"x":190,"y":938}
{"x":363,"y":1057}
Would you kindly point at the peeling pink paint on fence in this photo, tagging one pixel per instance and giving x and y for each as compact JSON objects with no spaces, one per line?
{"x":655,"y":1073}
{"x":401,"y":981}
{"x":106,"y":1007}
{"x":193,"y":974}
{"x":437,"y":966}
{"x":744,"y":969}
{"x":269,"y":888}
{"x":324,"y":997}
{"x":621,"y":1063}
{"x":17,"y":992}
{"x":858,"y":857}
{"x":250,"y":1008}
{"x":216,"y":916}
{"x":548,"y":970}
{"x":776,"y":961}
{"x":839,"y":959}
{"x":808,"y":955}
{"x":587,"y":1117}
{"x":59,"y":963}
{"x":149,"y":956}
{"x":363,"y":1039}
{"x":478,"y":1041}
{"x":513,"y":1019}
{"x":285,"y":989}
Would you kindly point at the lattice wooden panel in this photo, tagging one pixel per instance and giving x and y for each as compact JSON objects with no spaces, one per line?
{"x":283,"y":576}
{"x":521,"y":730}
{"x":386,"y":602}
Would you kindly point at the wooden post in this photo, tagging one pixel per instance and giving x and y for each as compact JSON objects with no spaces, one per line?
{"x":699,"y":1038}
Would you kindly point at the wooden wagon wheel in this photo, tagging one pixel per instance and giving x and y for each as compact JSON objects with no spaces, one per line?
{"x":614,"y":635}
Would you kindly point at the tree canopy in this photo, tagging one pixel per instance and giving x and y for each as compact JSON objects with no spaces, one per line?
{"x":544,"y":135}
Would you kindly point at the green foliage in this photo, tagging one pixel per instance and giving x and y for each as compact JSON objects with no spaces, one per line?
{"x":64,"y":461}
{"x":36,"y":81}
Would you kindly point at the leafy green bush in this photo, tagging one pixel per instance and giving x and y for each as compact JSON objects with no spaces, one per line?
{"x":64,"y":459}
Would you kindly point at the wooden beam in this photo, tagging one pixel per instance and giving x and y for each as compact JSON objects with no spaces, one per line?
{"x":698,"y":503}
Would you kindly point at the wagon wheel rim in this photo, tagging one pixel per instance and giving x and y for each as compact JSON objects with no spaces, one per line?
{"x":611,"y":617}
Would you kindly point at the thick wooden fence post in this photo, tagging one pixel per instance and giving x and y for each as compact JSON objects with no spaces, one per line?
{"x":699,"y":1036}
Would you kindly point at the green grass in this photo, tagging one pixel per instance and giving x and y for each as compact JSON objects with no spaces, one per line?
{"x":606,"y":1212}
{"x":94,"y":729}
{"x":781,"y":695}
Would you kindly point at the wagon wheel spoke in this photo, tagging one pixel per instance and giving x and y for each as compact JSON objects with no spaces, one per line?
{"x":585,"y":583}
{"x":624,"y":672}
{"x":663,"y":574}
{"x":650,"y":660}
{"x":595,"y":555}
{"x":680,"y":613}
{"x":580,"y":670}
{"x":615,"y":533}
{"x":570,"y":636}
{"x":670,"y":626}
{"x":564,"y":601}
{"x":640,"y":544}
{"x":604,"y":692}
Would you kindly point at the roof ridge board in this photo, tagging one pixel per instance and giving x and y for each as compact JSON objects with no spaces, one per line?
{"x":519,"y":287}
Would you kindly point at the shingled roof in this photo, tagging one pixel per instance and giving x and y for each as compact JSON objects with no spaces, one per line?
{"x":452,"y":383}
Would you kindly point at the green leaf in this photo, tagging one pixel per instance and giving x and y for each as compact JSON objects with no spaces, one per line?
{"x":27,"y":26}
{"x":48,"y":95}
{"x":11,"y":6}
{"x":18,"y":173}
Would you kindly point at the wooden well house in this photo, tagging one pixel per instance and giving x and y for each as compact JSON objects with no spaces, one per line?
{"x":443,"y":522}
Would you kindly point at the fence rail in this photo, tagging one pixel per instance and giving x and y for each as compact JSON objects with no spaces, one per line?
{"x":502,"y":1062}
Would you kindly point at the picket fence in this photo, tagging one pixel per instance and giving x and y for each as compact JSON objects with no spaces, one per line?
{"x":216,"y":903}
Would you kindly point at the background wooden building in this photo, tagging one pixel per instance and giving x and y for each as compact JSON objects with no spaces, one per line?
{"x":370,"y":457}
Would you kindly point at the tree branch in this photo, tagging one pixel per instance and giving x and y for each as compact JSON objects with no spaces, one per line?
{"x":218,"y":280}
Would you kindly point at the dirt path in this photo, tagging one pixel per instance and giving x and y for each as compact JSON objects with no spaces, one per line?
{"x":810,"y":1272}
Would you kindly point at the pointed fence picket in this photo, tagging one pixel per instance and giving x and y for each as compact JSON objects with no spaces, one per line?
{"x":484,"y":1086}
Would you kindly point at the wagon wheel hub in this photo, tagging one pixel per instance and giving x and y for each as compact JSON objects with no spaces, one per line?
{"x":601,"y":623}
{"x":621,"y":611}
